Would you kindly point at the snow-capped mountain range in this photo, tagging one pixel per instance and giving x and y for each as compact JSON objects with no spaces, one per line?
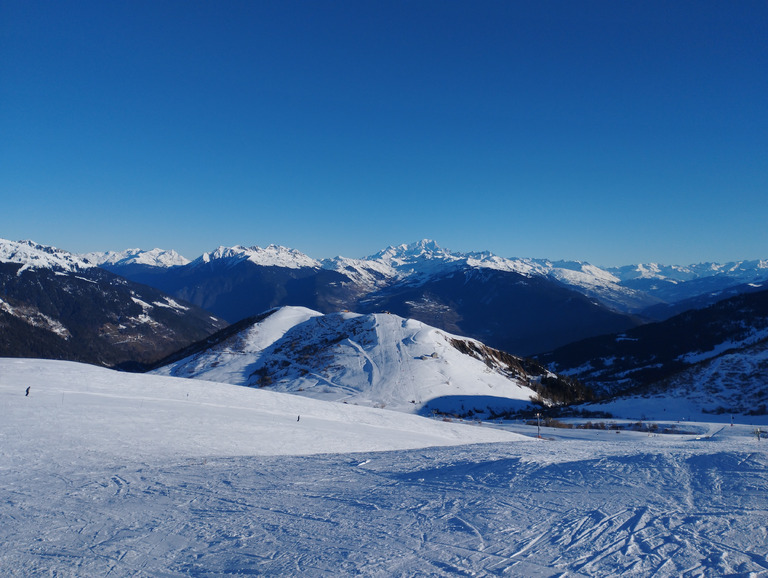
{"x":415,"y":261}
{"x":741,"y":271}
{"x":58,"y":305}
{"x":420,"y":280}
{"x":152,"y":258}
{"x":513,"y":304}
{"x":524,"y":306}
{"x":628,"y":288}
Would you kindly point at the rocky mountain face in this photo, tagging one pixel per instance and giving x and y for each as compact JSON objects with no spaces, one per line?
{"x":57,"y":305}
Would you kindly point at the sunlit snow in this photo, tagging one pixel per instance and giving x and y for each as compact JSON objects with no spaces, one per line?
{"x":105,"y":473}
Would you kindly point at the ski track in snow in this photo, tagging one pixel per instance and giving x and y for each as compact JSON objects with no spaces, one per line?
{"x":469,"y":511}
{"x":586,"y":503}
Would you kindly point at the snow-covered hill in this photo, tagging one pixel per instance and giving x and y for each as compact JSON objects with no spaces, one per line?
{"x":113,"y":474}
{"x":378,"y":360}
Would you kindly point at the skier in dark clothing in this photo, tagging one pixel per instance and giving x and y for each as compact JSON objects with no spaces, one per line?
{"x":27,"y":394}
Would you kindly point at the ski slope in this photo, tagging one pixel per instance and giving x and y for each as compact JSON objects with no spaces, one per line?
{"x":105,"y":473}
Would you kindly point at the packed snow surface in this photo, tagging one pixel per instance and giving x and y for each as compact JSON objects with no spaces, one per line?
{"x":104,"y":473}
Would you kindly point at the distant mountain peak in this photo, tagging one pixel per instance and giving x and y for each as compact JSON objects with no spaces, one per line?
{"x":420,"y":257}
{"x":32,"y":255}
{"x":269,"y":256}
{"x":741,"y":271}
{"x":425,"y":248}
{"x":153,"y":258}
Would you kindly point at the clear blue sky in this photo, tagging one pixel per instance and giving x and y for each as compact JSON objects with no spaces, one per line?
{"x":607,"y":131}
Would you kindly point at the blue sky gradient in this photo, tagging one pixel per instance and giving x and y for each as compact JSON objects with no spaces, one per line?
{"x":610,"y":132}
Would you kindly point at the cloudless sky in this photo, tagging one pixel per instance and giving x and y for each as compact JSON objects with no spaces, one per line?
{"x":607,"y":131}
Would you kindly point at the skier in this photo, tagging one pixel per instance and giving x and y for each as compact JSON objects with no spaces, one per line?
{"x":298,"y":418}
{"x":27,"y":394}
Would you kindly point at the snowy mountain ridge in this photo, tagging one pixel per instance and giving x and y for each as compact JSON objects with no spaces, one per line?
{"x":270,"y":256}
{"x":418,"y":259}
{"x":743,"y":271}
{"x":644,"y":289}
{"x":54,"y":304}
{"x":153,"y":258}
{"x":413,"y":262}
{"x":33,"y":256}
{"x":416,"y":262}
{"x":425,"y":259}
